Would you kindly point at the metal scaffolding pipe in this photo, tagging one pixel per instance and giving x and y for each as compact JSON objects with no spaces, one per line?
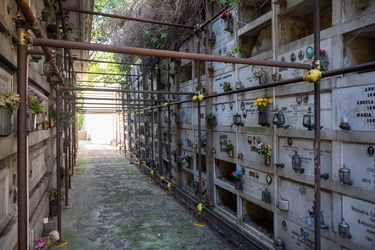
{"x":163,"y":53}
{"x":99,"y":61}
{"x":41,"y":52}
{"x":317,"y":146}
{"x":118,"y":82}
{"x":128,"y":91}
{"x":114,"y":99}
{"x":100,"y":73}
{"x":129,"y":18}
{"x":22,"y":145}
{"x":114,"y":104}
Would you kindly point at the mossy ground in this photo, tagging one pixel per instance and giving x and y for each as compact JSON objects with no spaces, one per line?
{"x":115,"y":207}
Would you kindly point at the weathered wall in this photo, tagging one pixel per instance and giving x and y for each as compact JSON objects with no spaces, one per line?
{"x":347,"y":39}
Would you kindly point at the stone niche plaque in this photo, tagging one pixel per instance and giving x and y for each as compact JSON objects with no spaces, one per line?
{"x":298,"y":105}
{"x":221,"y":79}
{"x":299,"y":238}
{"x":360,"y":215}
{"x":221,"y":35}
{"x":287,"y":57}
{"x":246,"y":76}
{"x":305,"y":149}
{"x":224,"y":114}
{"x":301,"y":199}
{"x":358,"y":105}
{"x":362,"y":165}
{"x":6,"y":81}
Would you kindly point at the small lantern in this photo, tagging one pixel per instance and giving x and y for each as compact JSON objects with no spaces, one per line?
{"x":344,"y":123}
{"x":344,"y":174}
{"x":344,"y":229}
{"x":279,"y":244}
{"x":47,"y":69}
{"x":296,"y":163}
{"x":237,"y":120}
{"x":308,"y":120}
{"x":266,"y":196}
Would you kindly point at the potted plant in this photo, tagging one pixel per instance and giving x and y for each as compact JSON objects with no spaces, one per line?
{"x":278,"y":116}
{"x":186,"y":160}
{"x":203,"y":141}
{"x":226,"y":86}
{"x":52,"y":115}
{"x":211,"y":120}
{"x":9,"y":103}
{"x":238,"y":175}
{"x":266,"y":150}
{"x":52,"y":194}
{"x":261,"y":75}
{"x":229,"y":149}
{"x":263,"y":104}
{"x":34,"y":102}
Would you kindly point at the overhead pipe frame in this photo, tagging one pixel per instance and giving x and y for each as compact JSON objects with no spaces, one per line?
{"x":129,"y":18}
{"x":162,"y":53}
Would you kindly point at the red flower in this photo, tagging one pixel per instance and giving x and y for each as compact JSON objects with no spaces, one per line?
{"x":226,"y":15}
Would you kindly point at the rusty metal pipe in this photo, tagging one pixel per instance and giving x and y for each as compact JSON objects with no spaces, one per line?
{"x":22,"y":156}
{"x":128,"y":91}
{"x":317,"y":178}
{"x":129,"y":18}
{"x":163,"y":53}
{"x":41,"y":52}
{"x":114,"y":99}
{"x":117,"y":82}
{"x":106,"y":103}
{"x":99,"y":61}
{"x":99,"y":73}
{"x":58,"y":159}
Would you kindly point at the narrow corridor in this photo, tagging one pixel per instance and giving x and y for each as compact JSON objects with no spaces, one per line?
{"x":116,"y":207}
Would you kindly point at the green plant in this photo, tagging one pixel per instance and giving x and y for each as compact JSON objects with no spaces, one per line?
{"x":264,"y":149}
{"x":34,"y":102}
{"x":10,"y":100}
{"x":228,"y":147}
{"x":234,"y":51}
{"x":210,"y":116}
{"x":203,"y":141}
{"x":224,"y":2}
{"x":81,"y":120}
{"x":226,"y":86}
{"x":279,"y":111}
{"x":52,"y":111}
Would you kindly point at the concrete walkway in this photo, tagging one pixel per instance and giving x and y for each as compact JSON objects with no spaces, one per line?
{"x":115,"y":207}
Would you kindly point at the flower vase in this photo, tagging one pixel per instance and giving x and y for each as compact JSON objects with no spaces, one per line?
{"x":238,"y":185}
{"x":230,"y":153}
{"x":51,"y":122}
{"x":5,"y":121}
{"x":279,"y":119}
{"x":267,"y":160}
{"x":263,"y":118}
{"x":212,"y":122}
{"x":228,"y":25}
{"x":262,"y":80}
{"x":31,"y":120}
